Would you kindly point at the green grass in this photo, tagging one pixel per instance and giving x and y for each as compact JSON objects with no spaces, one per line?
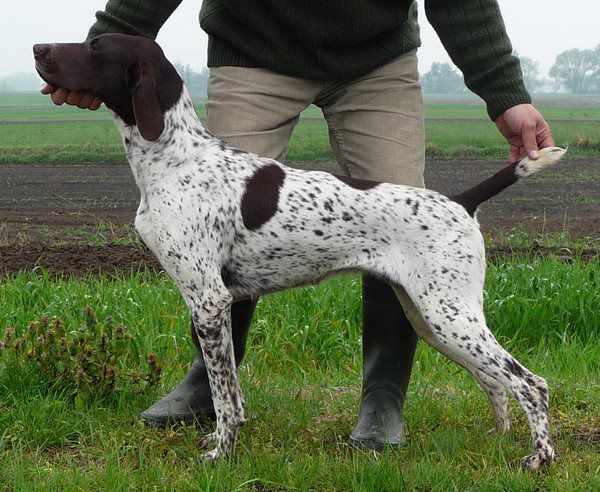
{"x":97,"y":142}
{"x":16,"y":111}
{"x":518,"y":239}
{"x":478,"y":111}
{"x":38,"y":107}
{"x":93,"y":138}
{"x":449,"y":141}
{"x":22,"y":99}
{"x":301,"y":379}
{"x":45,"y":111}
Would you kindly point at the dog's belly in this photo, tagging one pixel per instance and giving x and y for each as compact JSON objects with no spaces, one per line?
{"x":281,"y":259}
{"x":277,"y":269}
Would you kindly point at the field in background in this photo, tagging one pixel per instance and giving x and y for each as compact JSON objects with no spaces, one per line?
{"x":33,"y":131}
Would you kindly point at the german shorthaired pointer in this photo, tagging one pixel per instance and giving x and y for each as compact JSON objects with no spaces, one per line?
{"x":226,"y":224}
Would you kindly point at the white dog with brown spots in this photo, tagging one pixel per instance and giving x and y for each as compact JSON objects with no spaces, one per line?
{"x":227,"y":224}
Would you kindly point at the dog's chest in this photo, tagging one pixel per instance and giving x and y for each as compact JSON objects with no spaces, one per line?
{"x":146,"y":226}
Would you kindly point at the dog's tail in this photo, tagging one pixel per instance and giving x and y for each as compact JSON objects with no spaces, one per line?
{"x":473,"y":197}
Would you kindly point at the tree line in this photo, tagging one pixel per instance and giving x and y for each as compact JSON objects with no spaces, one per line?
{"x":576,"y":71}
{"x":195,"y":81}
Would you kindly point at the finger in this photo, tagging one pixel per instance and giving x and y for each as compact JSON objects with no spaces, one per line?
{"x":85,"y":101}
{"x":547,"y":142}
{"x":59,"y":96}
{"x":96,"y":103}
{"x":517,"y":141}
{"x":522,"y":152}
{"x":73,"y":98}
{"x":530,"y":140}
{"x":545,"y":139}
{"x":48,"y":89}
{"x":513,"y":154}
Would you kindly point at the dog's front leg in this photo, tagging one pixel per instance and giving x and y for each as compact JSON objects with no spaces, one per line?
{"x":211,"y":314}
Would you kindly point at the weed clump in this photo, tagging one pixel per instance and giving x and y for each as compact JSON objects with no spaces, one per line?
{"x":82,"y":362}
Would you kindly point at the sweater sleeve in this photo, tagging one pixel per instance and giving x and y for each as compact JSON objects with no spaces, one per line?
{"x":137,"y":17}
{"x":474,"y":35}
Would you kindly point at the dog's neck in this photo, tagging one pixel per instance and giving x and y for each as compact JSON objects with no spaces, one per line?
{"x":182,"y":142}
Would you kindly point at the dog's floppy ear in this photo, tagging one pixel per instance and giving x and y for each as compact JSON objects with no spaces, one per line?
{"x":148,"y":115}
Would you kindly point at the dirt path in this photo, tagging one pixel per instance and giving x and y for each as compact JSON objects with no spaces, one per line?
{"x":566,"y":197}
{"x":64,"y":204}
{"x":81,"y":259}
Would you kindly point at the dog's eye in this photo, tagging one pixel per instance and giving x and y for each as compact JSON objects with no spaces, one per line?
{"x":93,"y":44}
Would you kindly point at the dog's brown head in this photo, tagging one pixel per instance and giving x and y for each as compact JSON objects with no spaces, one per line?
{"x":129,"y":73}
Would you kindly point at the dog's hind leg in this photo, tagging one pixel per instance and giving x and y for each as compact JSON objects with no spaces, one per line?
{"x":498,"y":396}
{"x":495,"y":391}
{"x":455,"y":325}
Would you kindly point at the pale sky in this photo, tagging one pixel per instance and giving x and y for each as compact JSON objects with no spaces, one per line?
{"x":539,"y":29}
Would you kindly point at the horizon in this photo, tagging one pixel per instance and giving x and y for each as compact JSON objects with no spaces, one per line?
{"x":48,"y":26}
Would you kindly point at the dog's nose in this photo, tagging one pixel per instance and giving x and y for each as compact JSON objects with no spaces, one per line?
{"x":39,"y":50}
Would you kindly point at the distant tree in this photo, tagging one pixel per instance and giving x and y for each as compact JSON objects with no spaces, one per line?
{"x":195,"y":82}
{"x":20,"y":82}
{"x":442,"y":79}
{"x":531,"y":74}
{"x":596,"y":74}
{"x":577,"y":70}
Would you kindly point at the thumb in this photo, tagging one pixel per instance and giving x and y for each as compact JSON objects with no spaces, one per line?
{"x":529,"y":140}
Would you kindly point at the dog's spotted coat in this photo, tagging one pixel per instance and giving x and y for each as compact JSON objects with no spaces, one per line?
{"x":226,"y":224}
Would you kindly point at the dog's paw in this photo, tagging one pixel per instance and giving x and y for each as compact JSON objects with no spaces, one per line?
{"x":207,"y":441}
{"x":491,"y":433}
{"x":534,"y":462}
{"x":211,"y":456}
{"x":499,"y":431}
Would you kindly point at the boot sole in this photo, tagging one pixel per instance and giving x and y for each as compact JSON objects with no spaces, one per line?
{"x":373,"y":444}
{"x":184,"y":420}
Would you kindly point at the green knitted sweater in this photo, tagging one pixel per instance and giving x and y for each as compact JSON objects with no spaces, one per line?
{"x":340,"y":39}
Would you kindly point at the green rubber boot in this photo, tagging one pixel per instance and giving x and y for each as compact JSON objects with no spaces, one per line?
{"x":389,"y":344}
{"x":191,"y":401}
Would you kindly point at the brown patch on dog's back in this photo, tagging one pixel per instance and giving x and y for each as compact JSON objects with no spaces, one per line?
{"x":260,"y":199}
{"x":356,"y":183}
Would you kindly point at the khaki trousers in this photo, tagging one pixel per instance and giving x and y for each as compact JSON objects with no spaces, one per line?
{"x":376,"y":132}
{"x":375,"y":121}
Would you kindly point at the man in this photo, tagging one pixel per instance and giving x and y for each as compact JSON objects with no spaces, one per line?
{"x":356,"y":59}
